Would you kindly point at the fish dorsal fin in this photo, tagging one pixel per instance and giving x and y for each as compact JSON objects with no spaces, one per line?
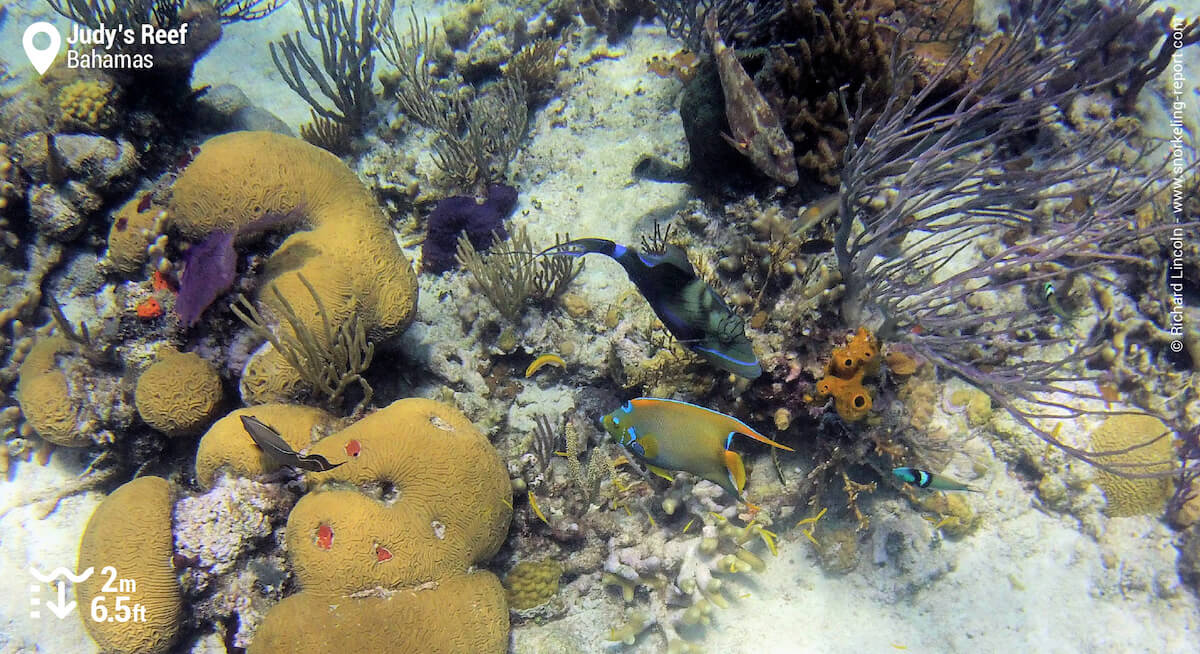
{"x":736,"y":469}
{"x":747,"y":431}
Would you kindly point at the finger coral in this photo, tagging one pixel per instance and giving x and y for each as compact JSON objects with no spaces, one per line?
{"x":131,"y":533}
{"x":89,"y":105}
{"x":383,"y":546}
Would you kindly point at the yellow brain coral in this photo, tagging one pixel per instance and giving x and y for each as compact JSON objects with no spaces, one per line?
{"x":226,"y":443}
{"x":1128,"y":497}
{"x":348,"y":251}
{"x":45,"y":395}
{"x":388,"y":538}
{"x":178,"y":394}
{"x":130,"y":532}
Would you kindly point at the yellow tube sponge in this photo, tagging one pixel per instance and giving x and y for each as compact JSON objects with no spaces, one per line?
{"x":45,"y":395}
{"x":1129,"y":497}
{"x":226,"y":443}
{"x":388,"y":538}
{"x":131,"y":533}
{"x":178,"y":394}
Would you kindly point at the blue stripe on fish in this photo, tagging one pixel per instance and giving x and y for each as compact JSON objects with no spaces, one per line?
{"x":619,"y":251}
{"x":722,"y":355}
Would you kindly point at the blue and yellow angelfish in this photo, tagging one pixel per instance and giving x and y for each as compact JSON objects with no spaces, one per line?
{"x":672,"y":435}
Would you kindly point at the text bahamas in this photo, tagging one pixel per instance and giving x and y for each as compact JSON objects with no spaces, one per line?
{"x":120,"y":60}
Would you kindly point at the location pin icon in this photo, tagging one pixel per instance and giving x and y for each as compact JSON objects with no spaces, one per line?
{"x":41,"y":58}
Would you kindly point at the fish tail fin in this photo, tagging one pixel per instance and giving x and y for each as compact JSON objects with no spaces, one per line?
{"x":580,"y":247}
{"x":736,"y":469}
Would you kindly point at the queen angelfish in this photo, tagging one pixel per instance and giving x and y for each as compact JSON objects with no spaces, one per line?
{"x":923,"y":479}
{"x":689,"y":308}
{"x":672,"y":435}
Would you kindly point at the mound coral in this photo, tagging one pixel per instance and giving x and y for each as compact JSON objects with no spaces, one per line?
{"x":226,"y":443}
{"x":348,"y":253}
{"x":178,"y":394}
{"x":1129,"y":497}
{"x":383,"y":548}
{"x":532,"y":583}
{"x":131,"y":532}
{"x":845,"y":372}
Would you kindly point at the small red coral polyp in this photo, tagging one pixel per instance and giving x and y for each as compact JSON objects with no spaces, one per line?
{"x":353,"y":448}
{"x":382,"y":553}
{"x":325,"y":537}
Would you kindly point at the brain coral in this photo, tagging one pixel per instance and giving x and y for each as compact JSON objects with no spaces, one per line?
{"x":131,"y":531}
{"x":1128,"y":497}
{"x":45,"y":395}
{"x":348,"y":251}
{"x":226,"y":443}
{"x":384,"y":547}
{"x":179,"y":393}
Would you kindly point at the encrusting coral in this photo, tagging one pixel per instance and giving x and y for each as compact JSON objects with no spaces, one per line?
{"x":384,"y":546}
{"x":131,"y":532}
{"x":532,"y":583}
{"x":178,"y":394}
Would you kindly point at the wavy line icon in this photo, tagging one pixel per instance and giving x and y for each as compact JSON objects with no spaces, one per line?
{"x":60,"y":572}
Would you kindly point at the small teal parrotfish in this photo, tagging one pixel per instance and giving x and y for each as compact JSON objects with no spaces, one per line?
{"x":689,"y":308}
{"x":673,"y":435}
{"x":923,"y":479}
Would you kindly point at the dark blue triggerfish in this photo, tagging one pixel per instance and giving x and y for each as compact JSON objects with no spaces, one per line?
{"x":691,"y":310}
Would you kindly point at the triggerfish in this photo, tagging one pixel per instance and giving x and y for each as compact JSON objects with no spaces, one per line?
{"x":671,"y":435}
{"x":689,"y":308}
{"x":923,"y":479}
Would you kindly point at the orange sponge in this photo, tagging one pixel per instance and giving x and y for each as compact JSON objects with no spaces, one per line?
{"x":845,"y":372}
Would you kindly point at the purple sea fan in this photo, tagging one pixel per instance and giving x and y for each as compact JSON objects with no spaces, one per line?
{"x":210,"y":267}
{"x":462,"y":213}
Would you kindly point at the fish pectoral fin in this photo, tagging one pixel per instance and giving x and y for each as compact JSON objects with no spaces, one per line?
{"x":660,"y":472}
{"x":763,"y":439}
{"x":736,"y":469}
{"x":736,"y":145}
